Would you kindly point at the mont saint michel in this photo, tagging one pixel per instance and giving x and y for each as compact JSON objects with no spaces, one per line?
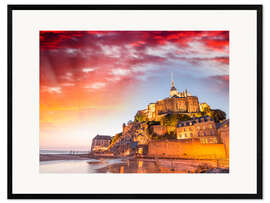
{"x":177,"y":128}
{"x":134,"y":102}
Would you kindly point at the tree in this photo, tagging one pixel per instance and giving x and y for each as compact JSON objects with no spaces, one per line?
{"x":173,"y":119}
{"x":217,"y":115}
{"x":167,"y":136}
{"x":171,"y":136}
{"x":150,"y":123}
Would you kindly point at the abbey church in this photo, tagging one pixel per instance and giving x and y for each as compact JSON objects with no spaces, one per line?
{"x":173,"y":127}
{"x":177,"y":102}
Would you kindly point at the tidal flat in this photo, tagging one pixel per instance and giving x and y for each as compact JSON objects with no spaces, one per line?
{"x":84,"y":164}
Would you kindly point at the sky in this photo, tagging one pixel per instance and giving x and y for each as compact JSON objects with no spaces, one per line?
{"x":91,"y":82}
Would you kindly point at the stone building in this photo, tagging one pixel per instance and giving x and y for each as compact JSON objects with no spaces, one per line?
{"x":100,"y":143}
{"x":203,"y":128}
{"x":223,"y":134}
{"x":177,"y":102}
{"x":151,"y":111}
{"x":158,"y":130}
{"x":174,"y":92}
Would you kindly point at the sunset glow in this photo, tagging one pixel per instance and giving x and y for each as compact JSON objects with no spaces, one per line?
{"x":91,"y":82}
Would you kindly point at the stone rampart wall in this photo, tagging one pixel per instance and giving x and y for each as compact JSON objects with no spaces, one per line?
{"x":182,"y":149}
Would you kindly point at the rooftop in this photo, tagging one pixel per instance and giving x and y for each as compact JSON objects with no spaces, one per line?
{"x":194,"y":121}
{"x":219,"y":125}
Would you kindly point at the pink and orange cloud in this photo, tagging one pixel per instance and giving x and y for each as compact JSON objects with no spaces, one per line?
{"x":100,"y":69}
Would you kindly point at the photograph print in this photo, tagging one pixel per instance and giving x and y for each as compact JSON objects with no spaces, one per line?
{"x":134,"y":101}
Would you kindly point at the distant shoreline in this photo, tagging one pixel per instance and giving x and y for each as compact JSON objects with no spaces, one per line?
{"x":55,"y":157}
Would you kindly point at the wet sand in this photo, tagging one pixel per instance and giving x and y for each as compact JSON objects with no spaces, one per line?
{"x":131,"y":164}
{"x":164,"y":166}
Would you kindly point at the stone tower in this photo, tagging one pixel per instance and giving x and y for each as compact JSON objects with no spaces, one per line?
{"x":173,"y":90}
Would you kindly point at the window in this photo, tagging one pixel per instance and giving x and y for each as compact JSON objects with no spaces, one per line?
{"x":202,"y":141}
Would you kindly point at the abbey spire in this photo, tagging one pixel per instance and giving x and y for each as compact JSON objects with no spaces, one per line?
{"x":172,"y":80}
{"x":174,"y":92}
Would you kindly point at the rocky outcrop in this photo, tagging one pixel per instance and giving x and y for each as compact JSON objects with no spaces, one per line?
{"x":135,"y":133}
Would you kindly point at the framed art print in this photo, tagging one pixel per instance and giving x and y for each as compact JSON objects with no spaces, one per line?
{"x":135,"y":101}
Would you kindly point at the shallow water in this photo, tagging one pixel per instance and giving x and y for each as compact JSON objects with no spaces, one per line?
{"x":123,"y":166}
{"x":62,"y":152}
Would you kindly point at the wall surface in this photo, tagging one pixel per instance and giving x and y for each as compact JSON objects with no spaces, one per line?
{"x":198,"y":129}
{"x":177,"y":105}
{"x":184,"y":149}
{"x":159,"y":129}
{"x":223,"y":134}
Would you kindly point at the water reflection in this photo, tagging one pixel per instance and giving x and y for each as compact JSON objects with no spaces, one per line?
{"x":122,"y":169}
{"x":126,"y":166}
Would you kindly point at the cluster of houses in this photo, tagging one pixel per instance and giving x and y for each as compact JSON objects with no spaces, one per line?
{"x":203,"y":129}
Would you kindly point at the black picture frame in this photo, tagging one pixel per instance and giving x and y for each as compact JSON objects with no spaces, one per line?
{"x":257,"y":8}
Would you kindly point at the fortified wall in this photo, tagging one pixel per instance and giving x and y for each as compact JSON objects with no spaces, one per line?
{"x":186,"y":149}
{"x":223,"y":133}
